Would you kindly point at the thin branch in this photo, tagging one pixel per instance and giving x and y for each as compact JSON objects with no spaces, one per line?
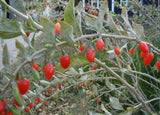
{"x":147,"y":75}
{"x":21,"y":15}
{"x":137,"y":106}
{"x":124,"y":83}
{"x":153,"y":22}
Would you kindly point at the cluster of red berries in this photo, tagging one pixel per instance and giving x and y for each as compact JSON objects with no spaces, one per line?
{"x":2,"y":109}
{"x":148,"y":56}
{"x":91,"y":11}
{"x":90,"y":54}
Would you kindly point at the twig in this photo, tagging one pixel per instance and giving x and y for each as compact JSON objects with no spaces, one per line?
{"x":21,"y":15}
{"x":124,"y":83}
{"x":153,"y":22}
{"x":137,"y":106}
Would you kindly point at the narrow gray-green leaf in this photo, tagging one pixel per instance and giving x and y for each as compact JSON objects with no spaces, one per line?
{"x":5,"y":61}
{"x":10,"y":29}
{"x":105,"y":110}
{"x":67,"y":33}
{"x":18,"y":5}
{"x":49,"y":29}
{"x":22,"y":49}
{"x":102,"y":11}
{"x":78,"y":17}
{"x":115,"y":103}
{"x":91,"y":22}
{"x":69,"y":13}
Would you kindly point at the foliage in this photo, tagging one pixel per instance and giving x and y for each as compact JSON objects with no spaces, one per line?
{"x":120,"y":84}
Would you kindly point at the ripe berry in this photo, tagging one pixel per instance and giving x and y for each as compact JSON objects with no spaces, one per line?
{"x":23,"y":86}
{"x":84,"y":106}
{"x":117,"y":50}
{"x":50,"y":90}
{"x":26,"y":110}
{"x":9,"y":113}
{"x":81,"y":48}
{"x":27,"y":34}
{"x":2,"y":106}
{"x":2,"y":113}
{"x":158,"y":65}
{"x":117,"y":24}
{"x":94,"y":67}
{"x":116,"y":65}
{"x":83,"y":84}
{"x":90,"y":55}
{"x":88,"y":4}
{"x":143,"y":47}
{"x":86,"y":9}
{"x":59,"y":85}
{"x":91,"y":11}
{"x":98,"y":100}
{"x":42,"y":107}
{"x":77,"y":86}
{"x":131,"y":51}
{"x":96,"y":13}
{"x":30,"y":105}
{"x":106,"y":17}
{"x":46,"y":102}
{"x":143,"y":55}
{"x":17,"y":102}
{"x":64,"y":61}
{"x":38,"y":100}
{"x":48,"y":71}
{"x":57,"y":28}
{"x":147,"y":60}
{"x":47,"y":94}
{"x":35,"y":66}
{"x":100,"y":44}
{"x":150,"y":56}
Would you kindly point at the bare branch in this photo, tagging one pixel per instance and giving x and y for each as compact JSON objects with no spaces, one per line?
{"x":21,"y":15}
{"x":124,"y":83}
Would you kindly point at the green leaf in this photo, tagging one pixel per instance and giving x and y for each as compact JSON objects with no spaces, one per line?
{"x":94,"y":113}
{"x":33,"y":39}
{"x":69,"y":13}
{"x":72,"y":71}
{"x":139,"y":30}
{"x":95,"y":90}
{"x":22,"y":49}
{"x":111,"y":23}
{"x":5,"y":61}
{"x":105,"y":110}
{"x":78,"y":17}
{"x":14,"y":111}
{"x":115,"y":103}
{"x":18,"y":5}
{"x":129,"y":111}
{"x":67,"y":33}
{"x":102,"y":10}
{"x":91,"y":22}
{"x":10,"y":29}
{"x":49,"y":29}
{"x":25,"y":38}
{"x":70,"y":18}
{"x":109,"y":85}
